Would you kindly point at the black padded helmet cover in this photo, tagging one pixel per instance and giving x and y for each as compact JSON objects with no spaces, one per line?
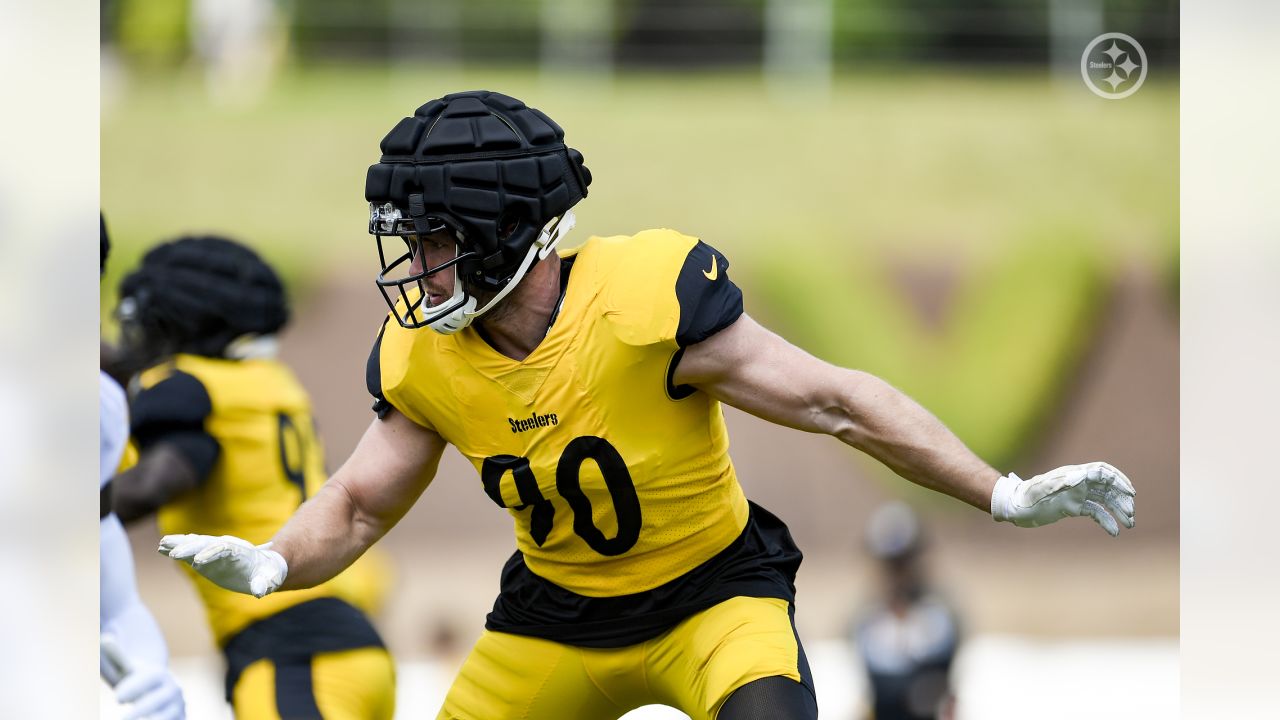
{"x":483,"y":163}
{"x":197,"y":294}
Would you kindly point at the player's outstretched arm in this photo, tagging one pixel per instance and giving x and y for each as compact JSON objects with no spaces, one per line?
{"x":392,"y":465}
{"x":753,"y":369}
{"x":386,"y":473}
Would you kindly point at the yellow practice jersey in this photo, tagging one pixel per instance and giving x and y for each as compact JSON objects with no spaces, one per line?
{"x":619,"y":483}
{"x":246,"y":427}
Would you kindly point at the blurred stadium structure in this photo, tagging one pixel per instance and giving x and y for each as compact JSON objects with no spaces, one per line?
{"x":585,"y":34}
{"x":923,"y":189}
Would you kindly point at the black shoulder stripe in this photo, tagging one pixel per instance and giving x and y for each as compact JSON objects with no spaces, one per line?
{"x":709,"y":301}
{"x":373,"y":374}
{"x":173,"y":411}
{"x":179,"y":403}
{"x":199,"y":448}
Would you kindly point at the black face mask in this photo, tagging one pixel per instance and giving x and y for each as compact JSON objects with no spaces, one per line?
{"x":404,"y":289}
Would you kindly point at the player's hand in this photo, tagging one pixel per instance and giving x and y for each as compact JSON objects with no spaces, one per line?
{"x":229,"y":562}
{"x":150,"y":693}
{"x":1096,"y":489}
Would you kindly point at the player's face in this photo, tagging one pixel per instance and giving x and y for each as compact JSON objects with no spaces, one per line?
{"x":430,"y":251}
{"x":903,"y":578}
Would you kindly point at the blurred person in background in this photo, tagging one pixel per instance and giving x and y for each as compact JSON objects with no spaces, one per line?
{"x":908,"y":637}
{"x":240,"y":43}
{"x":134,"y":656}
{"x":585,"y":388}
{"x":228,"y":447}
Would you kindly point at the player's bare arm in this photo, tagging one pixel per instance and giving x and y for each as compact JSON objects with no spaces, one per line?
{"x":392,"y":465}
{"x":162,"y":474}
{"x":747,"y":366}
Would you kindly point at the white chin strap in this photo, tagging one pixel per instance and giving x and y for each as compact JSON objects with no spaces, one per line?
{"x":458,"y":317}
{"x":252,"y":347}
{"x":464,"y":305}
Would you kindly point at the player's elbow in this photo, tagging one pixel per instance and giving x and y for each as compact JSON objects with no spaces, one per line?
{"x":848,"y":406}
{"x":833,"y":419}
{"x":829,"y":411}
{"x":364,"y":523}
{"x":131,"y":507}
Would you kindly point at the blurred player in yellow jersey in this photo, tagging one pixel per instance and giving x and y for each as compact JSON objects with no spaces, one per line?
{"x":228,"y":447}
{"x":585,"y":388}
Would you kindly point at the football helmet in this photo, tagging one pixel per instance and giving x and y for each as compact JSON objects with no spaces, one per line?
{"x":204,"y":295}
{"x":477,"y":186}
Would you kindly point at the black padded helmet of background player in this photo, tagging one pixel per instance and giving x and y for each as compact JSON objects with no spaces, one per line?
{"x":203,"y":295}
{"x":485,"y":171}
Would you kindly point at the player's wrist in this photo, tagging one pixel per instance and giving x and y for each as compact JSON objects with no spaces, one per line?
{"x":276,"y":572}
{"x":276,"y":557}
{"x":1002,"y":497}
{"x":281,"y":565}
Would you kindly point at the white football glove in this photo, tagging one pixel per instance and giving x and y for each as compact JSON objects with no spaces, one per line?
{"x":1095,"y":489}
{"x":150,"y":693}
{"x":229,"y":562}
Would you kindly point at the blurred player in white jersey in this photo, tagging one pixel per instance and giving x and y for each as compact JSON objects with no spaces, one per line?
{"x":134,"y":655}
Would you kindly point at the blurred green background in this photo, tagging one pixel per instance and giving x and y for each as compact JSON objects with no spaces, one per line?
{"x":1014,"y":197}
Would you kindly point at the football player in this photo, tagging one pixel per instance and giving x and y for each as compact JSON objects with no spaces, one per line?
{"x":585,"y":388}
{"x":134,"y":655}
{"x":227,"y":447}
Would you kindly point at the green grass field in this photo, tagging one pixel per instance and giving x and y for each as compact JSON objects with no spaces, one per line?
{"x":1031,"y":192}
{"x":912,"y":164}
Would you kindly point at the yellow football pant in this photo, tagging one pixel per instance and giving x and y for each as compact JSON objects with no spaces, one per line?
{"x":347,"y":685}
{"x":693,"y":667}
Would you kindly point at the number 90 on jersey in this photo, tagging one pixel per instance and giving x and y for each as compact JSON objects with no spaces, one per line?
{"x":516,"y":470}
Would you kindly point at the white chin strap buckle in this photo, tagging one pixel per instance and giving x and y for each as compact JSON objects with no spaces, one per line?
{"x":456,"y":319}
